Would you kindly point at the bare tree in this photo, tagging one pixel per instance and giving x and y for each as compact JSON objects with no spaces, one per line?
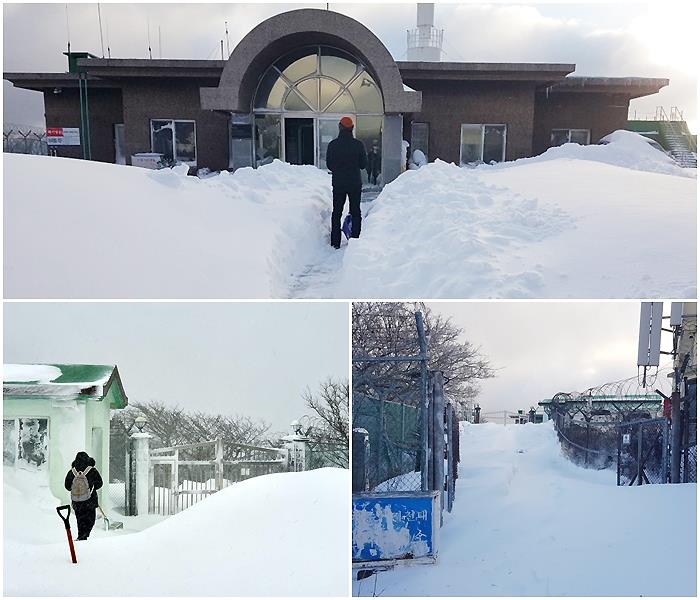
{"x":172,"y":426}
{"x":384,"y":329}
{"x":328,"y":431}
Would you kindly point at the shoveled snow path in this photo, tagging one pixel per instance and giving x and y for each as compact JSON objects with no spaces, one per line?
{"x":527,"y":522}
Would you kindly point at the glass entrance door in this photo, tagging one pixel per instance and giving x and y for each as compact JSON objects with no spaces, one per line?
{"x":326,"y":130}
{"x":299,"y":141}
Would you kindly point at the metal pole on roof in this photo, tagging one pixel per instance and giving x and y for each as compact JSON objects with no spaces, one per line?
{"x":99,"y":20}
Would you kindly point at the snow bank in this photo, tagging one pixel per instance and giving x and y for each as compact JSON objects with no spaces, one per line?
{"x":555,"y":228}
{"x":527,"y":522}
{"x":620,"y":148}
{"x":86,"y":229}
{"x":576,"y":222}
{"x":275,"y":535}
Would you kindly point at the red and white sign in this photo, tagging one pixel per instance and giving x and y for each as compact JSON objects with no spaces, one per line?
{"x":63,"y":136}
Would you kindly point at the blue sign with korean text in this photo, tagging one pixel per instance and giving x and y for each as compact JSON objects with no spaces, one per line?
{"x":394,"y":526}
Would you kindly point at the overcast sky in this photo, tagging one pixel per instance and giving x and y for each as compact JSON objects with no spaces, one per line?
{"x":541,"y":348}
{"x":642,"y":39}
{"x":253,"y":359}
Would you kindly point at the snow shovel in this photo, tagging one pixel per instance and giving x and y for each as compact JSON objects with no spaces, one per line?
{"x":347,"y":226}
{"x":66,"y":522}
{"x":107,"y":524}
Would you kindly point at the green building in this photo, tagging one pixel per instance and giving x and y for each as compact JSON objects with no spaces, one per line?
{"x":51,"y":412}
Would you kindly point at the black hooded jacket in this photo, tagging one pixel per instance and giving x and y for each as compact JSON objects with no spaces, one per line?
{"x":83,"y":461}
{"x":345,"y":158}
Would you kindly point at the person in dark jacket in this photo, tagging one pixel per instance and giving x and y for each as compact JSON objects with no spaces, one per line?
{"x":374,"y":163}
{"x":85,"y":511}
{"x":346,"y":158}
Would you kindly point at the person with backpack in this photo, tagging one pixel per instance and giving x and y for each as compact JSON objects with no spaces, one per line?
{"x":346,"y":157}
{"x":82,"y":481}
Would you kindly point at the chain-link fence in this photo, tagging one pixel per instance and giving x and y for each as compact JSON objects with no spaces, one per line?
{"x":389,"y":400}
{"x":325,"y":454}
{"x":643,"y":452}
{"x":689,"y":416}
{"x":393,"y":427}
{"x":24,"y":139}
{"x":590,"y":444}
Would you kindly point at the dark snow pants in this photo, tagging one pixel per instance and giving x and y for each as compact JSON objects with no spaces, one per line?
{"x":339,"y":195}
{"x":85,"y":515}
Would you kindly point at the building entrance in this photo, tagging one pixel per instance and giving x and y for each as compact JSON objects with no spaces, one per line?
{"x":299,"y":141}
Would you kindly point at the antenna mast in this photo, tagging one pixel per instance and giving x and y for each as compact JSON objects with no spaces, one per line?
{"x":68,"y":31}
{"x":99,"y":20}
{"x":148,"y":35}
{"x":228,"y":49}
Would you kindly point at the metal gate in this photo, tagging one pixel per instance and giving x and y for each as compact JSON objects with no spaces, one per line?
{"x":642,"y":452}
{"x":180,"y":476}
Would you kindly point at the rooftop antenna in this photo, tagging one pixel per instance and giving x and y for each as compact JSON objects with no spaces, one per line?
{"x":148,"y":35}
{"x":228,"y":49}
{"x":649,"y":352}
{"x":99,"y":20}
{"x":68,"y":31}
{"x":425,"y":41}
{"x":222,"y":49}
{"x":109,"y":51}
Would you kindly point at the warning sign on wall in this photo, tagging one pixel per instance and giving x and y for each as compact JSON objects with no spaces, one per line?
{"x":63,"y":136}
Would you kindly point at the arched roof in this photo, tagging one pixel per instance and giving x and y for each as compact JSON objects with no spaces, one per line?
{"x":285,"y":32}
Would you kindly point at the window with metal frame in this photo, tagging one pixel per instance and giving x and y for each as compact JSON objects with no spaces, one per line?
{"x":318,"y":79}
{"x":420,"y":137}
{"x":565,"y":136}
{"x":480,"y":142}
{"x":175,"y":139}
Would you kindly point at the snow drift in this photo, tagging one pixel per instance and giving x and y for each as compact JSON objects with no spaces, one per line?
{"x":88,"y":229}
{"x":576,"y":222}
{"x":527,"y":522}
{"x":274,"y":535}
{"x":609,"y":221}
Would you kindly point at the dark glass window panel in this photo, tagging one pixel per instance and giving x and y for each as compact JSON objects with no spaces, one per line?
{"x":419,"y":137}
{"x":580,"y":136}
{"x":267,"y":139}
{"x":559,"y":137}
{"x":185,"y":147}
{"x":470,"y":149}
{"x":494,"y":143}
{"x":163,"y":138}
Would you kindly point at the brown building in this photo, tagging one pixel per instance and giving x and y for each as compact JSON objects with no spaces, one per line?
{"x":285,"y":86}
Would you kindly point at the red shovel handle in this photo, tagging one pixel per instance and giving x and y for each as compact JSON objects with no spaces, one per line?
{"x":66,"y":522}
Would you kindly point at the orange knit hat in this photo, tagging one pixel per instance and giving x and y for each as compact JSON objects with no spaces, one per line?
{"x":347,"y":123}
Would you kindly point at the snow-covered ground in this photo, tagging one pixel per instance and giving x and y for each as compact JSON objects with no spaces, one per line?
{"x":527,"y":522}
{"x":274,"y":535}
{"x":616,"y":220}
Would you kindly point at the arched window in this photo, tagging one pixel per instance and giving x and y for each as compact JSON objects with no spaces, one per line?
{"x":318,"y":79}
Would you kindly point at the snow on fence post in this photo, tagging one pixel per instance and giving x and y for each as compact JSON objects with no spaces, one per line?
{"x":219,"y":464}
{"x":295,"y":443}
{"x":438,"y":439}
{"x":141,"y":467}
{"x":174,"y":496}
